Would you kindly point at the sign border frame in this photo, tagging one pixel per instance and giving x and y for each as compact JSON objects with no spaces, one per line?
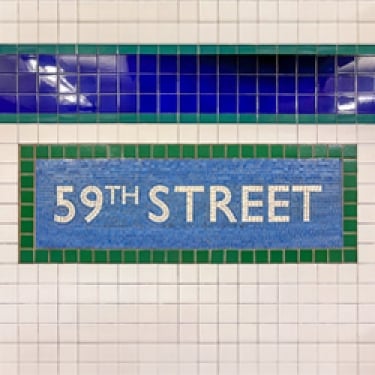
{"x":29,"y":153}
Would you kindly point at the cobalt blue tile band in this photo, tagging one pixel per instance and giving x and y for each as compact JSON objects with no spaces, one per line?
{"x":209,"y":86}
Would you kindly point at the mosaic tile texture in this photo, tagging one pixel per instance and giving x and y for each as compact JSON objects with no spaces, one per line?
{"x":28,"y":154}
{"x":185,"y":84}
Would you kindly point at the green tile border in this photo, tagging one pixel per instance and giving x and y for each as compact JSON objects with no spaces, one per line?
{"x":202,"y":49}
{"x":185,"y":118}
{"x":282,"y":49}
{"x":28,"y":154}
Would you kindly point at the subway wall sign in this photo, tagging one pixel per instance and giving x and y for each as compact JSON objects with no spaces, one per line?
{"x":188,"y":203}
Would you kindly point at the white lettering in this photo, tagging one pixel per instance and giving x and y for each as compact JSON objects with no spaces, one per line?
{"x":158,"y":202}
{"x":306,"y":190}
{"x":112,"y":189}
{"x":134,"y":195}
{"x":247,"y":204}
{"x":273,"y":203}
{"x":189,"y":191}
{"x":61,"y":201}
{"x":220,"y":205}
{"x":96,"y":204}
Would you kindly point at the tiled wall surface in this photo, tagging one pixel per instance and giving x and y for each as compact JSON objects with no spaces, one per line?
{"x":188,"y":21}
{"x":311,"y":319}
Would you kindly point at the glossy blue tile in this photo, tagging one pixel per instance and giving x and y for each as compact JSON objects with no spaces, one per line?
{"x":247,"y":64}
{"x":208,"y":64}
{"x":286,"y":104}
{"x":67,"y":63}
{"x":306,"y":64}
{"x":27,"y":104}
{"x":326,"y":84}
{"x":345,"y":83}
{"x":306,"y":84}
{"x":28,"y":63}
{"x":168,"y":63}
{"x":365,"y":83}
{"x":247,"y":84}
{"x":68,"y":84}
{"x":8,"y":103}
{"x":148,"y":83}
{"x":267,"y":84}
{"x":326,"y":64}
{"x":247,"y":104}
{"x":128,"y":103}
{"x":8,"y":63}
{"x":8,"y":83}
{"x":107,"y":63}
{"x":208,"y":83}
{"x":188,"y":83}
{"x":346,"y":104}
{"x":267,"y":104}
{"x":147,"y":64}
{"x":287,"y":64}
{"x":127,"y":64}
{"x":188,"y":103}
{"x":128,"y":83}
{"x":267,"y":64}
{"x":228,"y":103}
{"x":87,"y":103}
{"x":306,"y":104}
{"x":48,"y":83}
{"x":47,"y":103}
{"x":208,"y":103}
{"x":108,"y":83}
{"x":168,"y":83}
{"x":108,"y":103}
{"x":188,"y":64}
{"x":88,"y":63}
{"x":47,"y":64}
{"x":168,"y":103}
{"x":346,"y":64}
{"x":228,"y":84}
{"x":228,"y":64}
{"x":326,"y":104}
{"x":69,"y":103}
{"x":88,"y":83}
{"x":287,"y":84}
{"x":366,"y":104}
{"x":147,"y":103}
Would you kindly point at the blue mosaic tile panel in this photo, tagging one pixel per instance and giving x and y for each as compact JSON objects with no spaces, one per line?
{"x":184,"y":204}
{"x":186,"y":85}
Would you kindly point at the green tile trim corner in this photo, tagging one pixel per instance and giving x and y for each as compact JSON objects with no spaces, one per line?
{"x":29,"y":254}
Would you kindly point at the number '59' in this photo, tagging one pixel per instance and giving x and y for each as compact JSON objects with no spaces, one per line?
{"x":62,"y":200}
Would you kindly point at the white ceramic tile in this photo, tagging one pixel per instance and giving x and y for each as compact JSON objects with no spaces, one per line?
{"x":8,"y":214}
{"x":8,"y":133}
{"x":47,"y":133}
{"x":28,"y":133}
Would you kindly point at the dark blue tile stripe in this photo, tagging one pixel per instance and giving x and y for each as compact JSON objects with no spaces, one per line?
{"x":187,"y":84}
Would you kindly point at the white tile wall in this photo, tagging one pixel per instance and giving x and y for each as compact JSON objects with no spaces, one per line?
{"x":187,"y":319}
{"x":187,"y":21}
